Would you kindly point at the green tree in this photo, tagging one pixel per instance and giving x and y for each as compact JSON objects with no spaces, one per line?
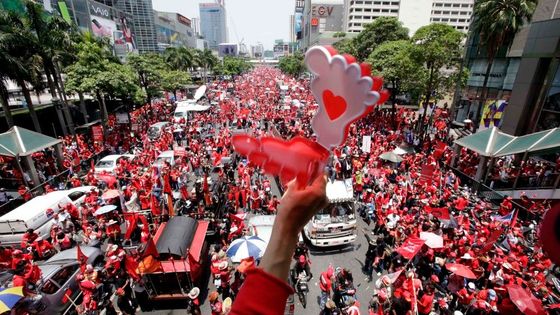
{"x":292,"y":65}
{"x":180,"y":58}
{"x":148,"y":68}
{"x":345,"y":46}
{"x":382,"y":29}
{"x":437,"y":47}
{"x":393,"y":61}
{"x":207,"y":61}
{"x":497,"y":22}
{"x":98,"y":75}
{"x":173,"y":80}
{"x":234,"y":66}
{"x":339,"y":34}
{"x":17,"y":49}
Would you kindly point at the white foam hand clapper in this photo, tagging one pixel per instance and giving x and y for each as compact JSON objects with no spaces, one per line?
{"x":344,"y":90}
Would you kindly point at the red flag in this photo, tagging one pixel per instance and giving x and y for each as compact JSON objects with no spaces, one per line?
{"x":440,"y":148}
{"x":155,"y":206}
{"x":440,"y":213}
{"x":82,"y":258}
{"x":166,"y":184}
{"x":410,"y":247}
{"x":170,"y":205}
{"x":150,"y":249}
{"x":494,"y":236}
{"x":205,"y":184}
{"x":514,"y":219}
{"x":184,"y":192}
{"x":131,"y":220}
{"x":457,"y":183}
{"x":146,"y":226}
{"x":235,"y":220}
{"x":131,"y":266}
{"x":427,"y":174}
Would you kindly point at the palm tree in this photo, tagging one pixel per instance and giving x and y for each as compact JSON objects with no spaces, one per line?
{"x":207,"y":61}
{"x":50,"y":34}
{"x":17,"y":49}
{"x":179,"y":58}
{"x":497,"y":22}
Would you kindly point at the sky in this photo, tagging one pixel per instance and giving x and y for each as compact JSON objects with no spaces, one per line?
{"x":252,"y":21}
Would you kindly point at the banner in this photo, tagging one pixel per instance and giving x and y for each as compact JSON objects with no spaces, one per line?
{"x":427,"y":174}
{"x":101,"y":27}
{"x":366,"y":144}
{"x":97,"y":133}
{"x":492,"y":114}
{"x":410,"y":247}
{"x":440,"y":213}
{"x":179,"y":151}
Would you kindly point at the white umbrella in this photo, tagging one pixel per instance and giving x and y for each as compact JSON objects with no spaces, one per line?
{"x":432,"y":240}
{"x":105,"y":209}
{"x":245,"y":247}
{"x":390,"y":156}
{"x":399,"y":151}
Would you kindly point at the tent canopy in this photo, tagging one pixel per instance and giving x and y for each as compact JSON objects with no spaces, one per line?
{"x":23,"y":142}
{"x":494,"y":143}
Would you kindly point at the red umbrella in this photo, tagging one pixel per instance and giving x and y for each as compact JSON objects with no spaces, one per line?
{"x":460,"y":270}
{"x":110,"y":194}
{"x":525,"y":301}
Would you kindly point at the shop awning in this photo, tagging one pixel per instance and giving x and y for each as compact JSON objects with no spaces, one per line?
{"x":494,"y":143}
{"x":485,"y":142}
{"x":23,"y":142}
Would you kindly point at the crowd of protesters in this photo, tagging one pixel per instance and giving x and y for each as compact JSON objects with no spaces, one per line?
{"x":207,"y":181}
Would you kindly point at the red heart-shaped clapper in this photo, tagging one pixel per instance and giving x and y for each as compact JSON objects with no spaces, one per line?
{"x":334,"y":105}
{"x":549,"y":234}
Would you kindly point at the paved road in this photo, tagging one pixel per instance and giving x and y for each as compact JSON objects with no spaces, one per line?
{"x":350,"y":257}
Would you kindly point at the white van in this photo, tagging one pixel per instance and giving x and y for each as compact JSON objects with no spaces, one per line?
{"x":33,"y":215}
{"x":181,"y":112}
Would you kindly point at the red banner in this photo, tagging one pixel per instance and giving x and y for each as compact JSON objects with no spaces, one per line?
{"x":97,"y":133}
{"x":440,"y":148}
{"x":440,"y":213}
{"x":410,"y":247}
{"x":494,"y":236}
{"x":427,"y":174}
{"x":179,"y":151}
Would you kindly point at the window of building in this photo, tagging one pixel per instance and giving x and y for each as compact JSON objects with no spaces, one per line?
{"x":456,"y":5}
{"x":367,"y":10}
{"x":359,"y":2}
{"x":377,"y":2}
{"x":367,"y":2}
{"x":460,"y":27}
{"x":358,"y":10}
{"x":436,"y":12}
{"x":447,"y":5}
{"x":394,"y":3}
{"x":453,"y":20}
{"x":445,"y":20}
{"x":436,"y":19}
{"x":386,"y":3}
{"x":394,"y":11}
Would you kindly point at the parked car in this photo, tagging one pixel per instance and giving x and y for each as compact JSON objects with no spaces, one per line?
{"x":109,"y":163}
{"x":58,"y":286}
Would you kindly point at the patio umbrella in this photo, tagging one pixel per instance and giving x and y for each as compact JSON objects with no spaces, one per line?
{"x":9,"y":297}
{"x":460,"y":270}
{"x":110,"y":194}
{"x":525,"y":301}
{"x":432,"y":240}
{"x":399,"y":151}
{"x":391,"y":156}
{"x":105,"y":209}
{"x":246,"y":246}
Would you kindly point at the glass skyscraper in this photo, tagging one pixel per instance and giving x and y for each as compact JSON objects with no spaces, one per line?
{"x":213,"y":23}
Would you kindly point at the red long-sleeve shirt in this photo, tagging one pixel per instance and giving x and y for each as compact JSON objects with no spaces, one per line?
{"x":261,"y":293}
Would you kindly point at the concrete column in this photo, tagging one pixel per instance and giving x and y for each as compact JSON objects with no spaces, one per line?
{"x":456,"y":155}
{"x":30,"y":167}
{"x":481,"y":169}
{"x":59,"y":155}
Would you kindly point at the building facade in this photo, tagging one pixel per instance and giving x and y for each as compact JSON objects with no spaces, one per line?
{"x":174,"y":30}
{"x":213,"y":26}
{"x":412,"y":13}
{"x":524,"y":82}
{"x":143,"y":22}
{"x":319,"y":21}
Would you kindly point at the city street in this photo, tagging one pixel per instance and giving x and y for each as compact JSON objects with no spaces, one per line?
{"x":350,"y":257}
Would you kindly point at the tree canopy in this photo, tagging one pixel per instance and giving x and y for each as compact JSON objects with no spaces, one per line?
{"x":382,"y":29}
{"x":292,"y":65}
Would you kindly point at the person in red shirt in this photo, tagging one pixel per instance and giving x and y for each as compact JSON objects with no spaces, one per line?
{"x":426,"y":301}
{"x":215,"y":303}
{"x":42,"y":248}
{"x":268,"y":282}
{"x":28,"y":238}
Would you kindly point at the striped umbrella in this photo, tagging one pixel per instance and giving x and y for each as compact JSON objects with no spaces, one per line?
{"x":246,"y":246}
{"x":9,"y":297}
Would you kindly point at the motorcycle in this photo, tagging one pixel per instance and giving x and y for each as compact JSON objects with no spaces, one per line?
{"x":301,"y":287}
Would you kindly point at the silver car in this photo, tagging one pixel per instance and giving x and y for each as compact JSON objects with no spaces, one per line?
{"x":58,"y":284}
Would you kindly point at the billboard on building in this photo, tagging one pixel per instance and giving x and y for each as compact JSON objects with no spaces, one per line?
{"x":492,"y":114}
{"x":226,"y":49}
{"x":298,"y":21}
{"x":167,"y":36}
{"x":101,"y":27}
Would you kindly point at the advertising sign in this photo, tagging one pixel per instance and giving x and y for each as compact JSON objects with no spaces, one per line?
{"x":128,"y":37}
{"x":183,"y":20}
{"x":492,"y":114}
{"x":298,"y":17}
{"x":167,"y":36}
{"x":101,"y":27}
{"x":97,"y":133}
{"x":321,"y":10}
{"x":99,"y":9}
{"x":179,"y":151}
{"x":227,"y":50}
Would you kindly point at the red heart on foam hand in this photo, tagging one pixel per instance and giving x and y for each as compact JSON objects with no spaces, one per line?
{"x":298,"y":158}
{"x":334,"y":105}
